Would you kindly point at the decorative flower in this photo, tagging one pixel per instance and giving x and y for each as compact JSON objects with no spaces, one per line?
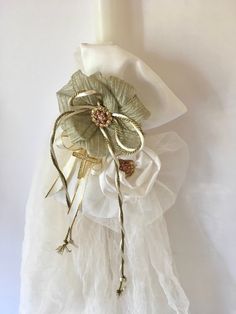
{"x":105,"y":96}
{"x":127,"y":166}
{"x":147,"y":167}
{"x":102,"y":115}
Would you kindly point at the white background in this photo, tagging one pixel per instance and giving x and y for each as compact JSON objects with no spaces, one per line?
{"x":191,"y":44}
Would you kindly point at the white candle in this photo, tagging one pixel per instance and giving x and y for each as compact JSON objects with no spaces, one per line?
{"x":104,"y":29}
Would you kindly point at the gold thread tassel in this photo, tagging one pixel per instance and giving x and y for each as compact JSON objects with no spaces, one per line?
{"x":67,"y":241}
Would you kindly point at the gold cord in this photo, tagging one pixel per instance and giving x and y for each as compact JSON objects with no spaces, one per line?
{"x":123,"y":278}
{"x":53,"y":154}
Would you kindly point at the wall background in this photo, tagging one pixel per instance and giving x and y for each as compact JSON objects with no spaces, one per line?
{"x":191,"y":45}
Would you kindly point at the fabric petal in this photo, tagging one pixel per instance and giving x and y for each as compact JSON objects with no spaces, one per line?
{"x":64,"y":95}
{"x":97,"y":83}
{"x":129,"y":104}
{"x":80,"y":127}
{"x":96,"y":146}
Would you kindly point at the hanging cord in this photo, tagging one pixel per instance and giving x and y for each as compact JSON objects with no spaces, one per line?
{"x":123,"y":278}
{"x":59,"y":121}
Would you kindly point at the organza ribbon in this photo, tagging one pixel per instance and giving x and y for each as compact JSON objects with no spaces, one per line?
{"x":77,"y":201}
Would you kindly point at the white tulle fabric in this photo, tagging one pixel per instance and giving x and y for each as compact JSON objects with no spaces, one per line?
{"x":85,"y":281}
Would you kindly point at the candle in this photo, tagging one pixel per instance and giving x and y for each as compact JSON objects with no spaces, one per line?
{"x":104,"y":29}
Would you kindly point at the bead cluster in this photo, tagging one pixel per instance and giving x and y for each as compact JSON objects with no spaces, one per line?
{"x":101,"y":116}
{"x":127,"y":166}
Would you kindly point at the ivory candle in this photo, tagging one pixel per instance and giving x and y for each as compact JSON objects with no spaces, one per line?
{"x":104,"y":30}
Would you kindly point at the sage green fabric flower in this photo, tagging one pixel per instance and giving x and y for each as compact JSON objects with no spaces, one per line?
{"x":117,"y":96}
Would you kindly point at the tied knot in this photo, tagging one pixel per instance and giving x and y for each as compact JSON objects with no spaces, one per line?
{"x":122,"y":286}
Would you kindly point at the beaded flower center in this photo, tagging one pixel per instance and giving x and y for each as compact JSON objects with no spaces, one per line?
{"x":101,"y":116}
{"x":127,"y":166}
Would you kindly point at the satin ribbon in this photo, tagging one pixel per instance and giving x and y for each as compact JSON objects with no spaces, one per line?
{"x":65,"y":173}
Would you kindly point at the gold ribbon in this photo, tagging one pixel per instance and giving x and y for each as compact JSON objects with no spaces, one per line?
{"x":75,"y":110}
